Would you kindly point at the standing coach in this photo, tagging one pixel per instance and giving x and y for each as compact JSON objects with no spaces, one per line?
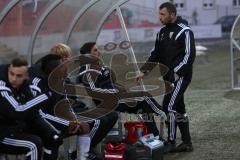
{"x":175,"y":48}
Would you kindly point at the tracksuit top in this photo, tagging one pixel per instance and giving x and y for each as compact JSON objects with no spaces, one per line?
{"x":20,"y":108}
{"x":39,"y":84}
{"x":174,"y":48}
{"x":98,"y":78}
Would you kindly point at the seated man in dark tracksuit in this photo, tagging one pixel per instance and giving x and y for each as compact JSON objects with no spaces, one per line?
{"x":23,"y":129}
{"x":102,"y":81}
{"x":98,"y":127}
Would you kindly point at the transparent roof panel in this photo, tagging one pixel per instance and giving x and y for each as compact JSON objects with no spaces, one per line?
{"x":133,"y":12}
{"x":109,"y":41}
{"x":88,"y":25}
{"x":32,"y":27}
{"x":18,"y":25}
{"x":3,"y":4}
{"x":236,"y":29}
{"x":57,"y":24}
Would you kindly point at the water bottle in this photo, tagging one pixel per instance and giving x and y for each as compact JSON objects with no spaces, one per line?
{"x":139,"y":133}
{"x":125,"y":134}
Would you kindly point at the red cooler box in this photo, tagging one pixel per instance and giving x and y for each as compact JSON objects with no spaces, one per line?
{"x":114,"y":152}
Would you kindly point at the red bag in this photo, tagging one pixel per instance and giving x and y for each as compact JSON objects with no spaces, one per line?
{"x":114,"y":152}
{"x":133,"y":129}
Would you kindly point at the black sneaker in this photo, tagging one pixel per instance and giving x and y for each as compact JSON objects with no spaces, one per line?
{"x":184,"y":147}
{"x":73,"y":155}
{"x":169,"y":147}
{"x":163,"y":140}
{"x":92,"y":155}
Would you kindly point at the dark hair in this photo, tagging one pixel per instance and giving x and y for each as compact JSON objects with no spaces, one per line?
{"x":171,"y":8}
{"x":49,"y":62}
{"x":19,"y":62}
{"x":86,"y":48}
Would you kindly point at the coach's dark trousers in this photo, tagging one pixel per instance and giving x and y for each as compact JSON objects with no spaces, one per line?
{"x":174,"y":107}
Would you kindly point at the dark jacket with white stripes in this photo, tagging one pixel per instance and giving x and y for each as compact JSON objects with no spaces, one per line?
{"x":39,"y":84}
{"x":19,"y":108}
{"x":103,"y":80}
{"x":99,"y":79}
{"x":175,"y":48}
{"x":99,"y":128}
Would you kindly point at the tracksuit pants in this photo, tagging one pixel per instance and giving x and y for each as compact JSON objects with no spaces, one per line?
{"x":22,"y":143}
{"x":100,"y":127}
{"x":174,"y":107}
{"x":146,"y":107}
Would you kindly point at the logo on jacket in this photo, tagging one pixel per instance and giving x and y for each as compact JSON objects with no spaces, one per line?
{"x":162,"y":36}
{"x":106,"y":72}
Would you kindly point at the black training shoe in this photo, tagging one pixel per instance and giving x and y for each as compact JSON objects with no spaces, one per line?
{"x":92,"y":155}
{"x":163,"y":140}
{"x":184,"y":147}
{"x":169,"y":147}
{"x":73,"y":155}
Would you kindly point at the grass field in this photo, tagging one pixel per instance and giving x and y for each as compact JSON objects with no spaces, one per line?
{"x":213,"y":109}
